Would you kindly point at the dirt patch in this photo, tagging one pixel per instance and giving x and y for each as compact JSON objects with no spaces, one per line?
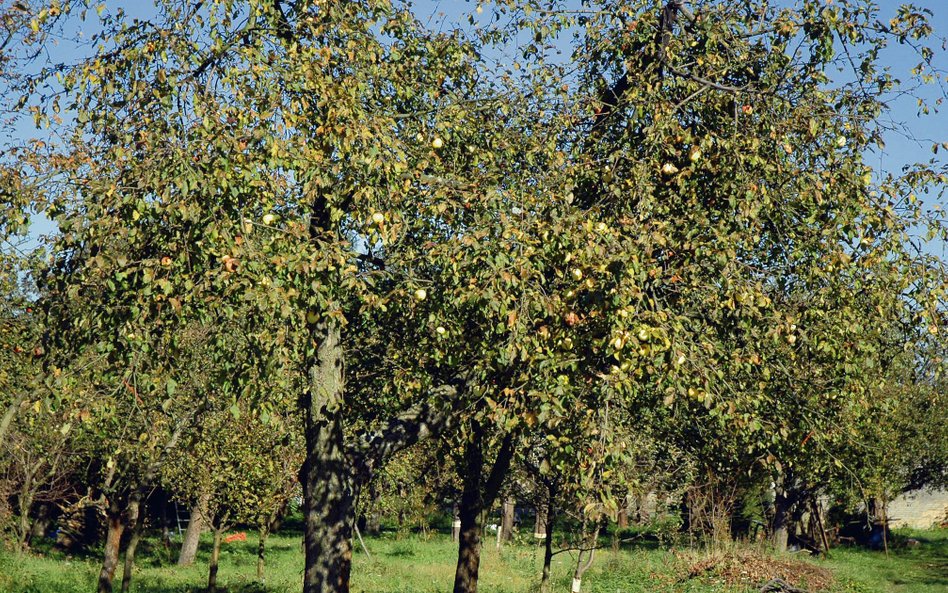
{"x":749,"y":568}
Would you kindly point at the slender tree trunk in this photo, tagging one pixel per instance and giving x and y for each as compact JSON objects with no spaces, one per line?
{"x":455,"y":522}
{"x":781,"y":521}
{"x":475,"y":498}
{"x":112,"y":541}
{"x":622,"y":521}
{"x":165,"y":524}
{"x":583,"y":564}
{"x":549,"y":515}
{"x":192,"y":535}
{"x":24,"y":504}
{"x":818,"y":515}
{"x":41,"y":522}
{"x":507,"y":524}
{"x":136,"y":518}
{"x":215,"y":558}
{"x":261,"y":550}
{"x":539,"y":526}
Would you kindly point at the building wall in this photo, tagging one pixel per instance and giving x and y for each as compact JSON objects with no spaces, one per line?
{"x":919,"y":509}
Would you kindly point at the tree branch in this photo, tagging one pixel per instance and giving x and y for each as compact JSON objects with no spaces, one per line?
{"x":418,"y":423}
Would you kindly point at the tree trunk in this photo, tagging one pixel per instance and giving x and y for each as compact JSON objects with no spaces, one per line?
{"x":456,"y":523}
{"x":476,"y":497}
{"x":781,"y":520}
{"x":41,"y":522}
{"x":507,"y":524}
{"x":192,"y":535}
{"x":469,"y":542}
{"x":165,"y":524}
{"x":539,"y":527}
{"x":327,"y":476}
{"x":111,"y":553}
{"x":24,"y":504}
{"x":261,"y":549}
{"x":622,"y":521}
{"x":136,"y":518}
{"x":548,"y":516}
{"x":215,"y":558}
{"x":582,"y":565}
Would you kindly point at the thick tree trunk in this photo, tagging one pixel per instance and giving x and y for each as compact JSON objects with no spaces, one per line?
{"x":261,"y":550}
{"x":215,"y":559}
{"x":469,"y":546}
{"x":475,"y":498}
{"x":192,"y":535}
{"x":111,"y":553}
{"x":334,"y":471}
{"x":136,"y":518}
{"x":507,"y":524}
{"x":327,"y":476}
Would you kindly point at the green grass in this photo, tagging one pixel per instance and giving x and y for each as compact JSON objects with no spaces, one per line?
{"x":919,"y":569}
{"x":418,"y":565}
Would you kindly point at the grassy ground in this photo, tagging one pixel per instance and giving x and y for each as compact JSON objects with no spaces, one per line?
{"x":417,"y":565}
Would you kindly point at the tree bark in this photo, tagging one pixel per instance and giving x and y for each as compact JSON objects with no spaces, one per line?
{"x":582,"y":565}
{"x":334,"y":471}
{"x":455,"y":522}
{"x":215,"y":558}
{"x":507,"y":524}
{"x":476,"y":497}
{"x":41,"y":522}
{"x":136,"y":518}
{"x":192,"y":535}
{"x":24,"y":504}
{"x":469,"y":537}
{"x":548,"y":515}
{"x":539,"y":526}
{"x":327,"y":474}
{"x":261,"y":550}
{"x":111,"y":553}
{"x":781,"y":520}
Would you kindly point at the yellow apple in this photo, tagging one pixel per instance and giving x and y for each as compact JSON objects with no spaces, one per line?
{"x":268,"y":218}
{"x":311,"y":316}
{"x":437,"y":143}
{"x":421,"y":294}
{"x":577,"y":274}
{"x":378,"y":218}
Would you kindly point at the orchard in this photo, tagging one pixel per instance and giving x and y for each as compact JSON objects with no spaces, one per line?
{"x":364,"y":267}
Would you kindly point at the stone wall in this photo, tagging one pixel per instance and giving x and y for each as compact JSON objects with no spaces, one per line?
{"x":919,"y":509}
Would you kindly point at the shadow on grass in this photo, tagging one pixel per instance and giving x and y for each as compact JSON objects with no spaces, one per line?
{"x":152,"y":585}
